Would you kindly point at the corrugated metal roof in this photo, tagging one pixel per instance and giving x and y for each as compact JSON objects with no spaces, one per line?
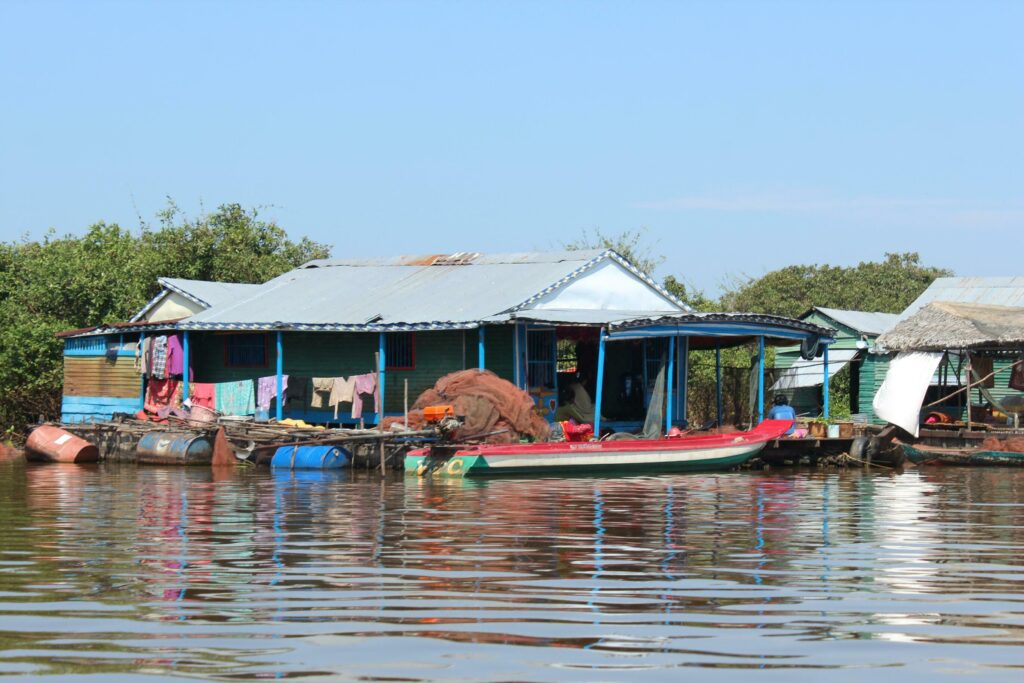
{"x":579,"y":316}
{"x":206,"y":292}
{"x":993,"y":291}
{"x":348,"y":294}
{"x":865,"y":322}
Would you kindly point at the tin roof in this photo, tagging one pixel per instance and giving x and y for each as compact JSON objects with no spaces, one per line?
{"x":865,"y":322}
{"x":992,"y":291}
{"x":409,"y":292}
{"x":206,"y":293}
{"x":730,"y":328}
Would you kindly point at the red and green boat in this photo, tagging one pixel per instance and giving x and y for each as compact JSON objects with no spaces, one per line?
{"x":702,"y":452}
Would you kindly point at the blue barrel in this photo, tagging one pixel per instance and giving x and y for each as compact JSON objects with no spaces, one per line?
{"x":309,"y":458}
{"x":174,"y":448}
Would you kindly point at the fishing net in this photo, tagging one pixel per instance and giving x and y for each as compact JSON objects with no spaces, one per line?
{"x":1013,"y":444}
{"x":486,"y":403}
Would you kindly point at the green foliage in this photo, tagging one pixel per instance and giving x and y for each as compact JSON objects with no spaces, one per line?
{"x":887,"y":286}
{"x":107,"y":275}
{"x":630,"y":244}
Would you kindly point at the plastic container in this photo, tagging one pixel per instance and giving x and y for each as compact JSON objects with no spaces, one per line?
{"x":309,"y":458}
{"x":833,"y":431}
{"x":53,"y":444}
{"x":174,"y":448}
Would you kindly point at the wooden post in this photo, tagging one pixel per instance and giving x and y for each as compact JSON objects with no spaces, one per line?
{"x":967,"y":354}
{"x":760,"y":379}
{"x":406,"y":403}
{"x":719,"y":412}
{"x":186,"y":363}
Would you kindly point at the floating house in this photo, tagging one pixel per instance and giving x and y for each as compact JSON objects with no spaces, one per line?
{"x":528,"y":317}
{"x":951,"y":372}
{"x":396,"y":325}
{"x":101,"y":372}
{"x":802,"y":380}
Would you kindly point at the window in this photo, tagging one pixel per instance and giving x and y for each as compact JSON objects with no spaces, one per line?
{"x":245,"y":351}
{"x":399,"y":351}
{"x":542,"y":359}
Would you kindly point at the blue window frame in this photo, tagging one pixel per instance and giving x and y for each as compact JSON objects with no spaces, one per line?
{"x":541,"y":359}
{"x":245,"y":350}
{"x":400,"y":351}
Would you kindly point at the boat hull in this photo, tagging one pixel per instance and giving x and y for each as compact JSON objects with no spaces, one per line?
{"x":687,"y":454}
{"x":934,"y":455}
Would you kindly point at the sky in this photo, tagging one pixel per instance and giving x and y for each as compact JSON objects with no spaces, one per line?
{"x":741,"y":136}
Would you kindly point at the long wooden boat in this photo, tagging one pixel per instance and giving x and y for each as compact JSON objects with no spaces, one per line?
{"x":940,"y":455}
{"x":638,"y":456}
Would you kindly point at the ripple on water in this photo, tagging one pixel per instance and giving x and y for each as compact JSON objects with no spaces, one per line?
{"x":115,"y":571}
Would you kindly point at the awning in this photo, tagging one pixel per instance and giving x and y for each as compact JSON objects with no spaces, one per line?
{"x":900,"y":397}
{"x":809,"y":373}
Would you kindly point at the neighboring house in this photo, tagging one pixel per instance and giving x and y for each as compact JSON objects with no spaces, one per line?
{"x":526,"y":316}
{"x":180,"y":298}
{"x":989,"y":291}
{"x":100,"y":375}
{"x":801,"y":380}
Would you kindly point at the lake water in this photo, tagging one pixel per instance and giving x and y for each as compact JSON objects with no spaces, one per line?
{"x":127,"y":573}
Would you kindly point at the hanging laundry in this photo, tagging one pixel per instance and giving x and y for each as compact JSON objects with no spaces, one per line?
{"x":158,"y":367}
{"x":142,"y":356}
{"x":175,"y":355}
{"x":298,"y":389}
{"x":321,"y":391}
{"x":161,"y":393}
{"x":236,"y":398}
{"x":266,"y":390}
{"x":1017,"y":375}
{"x":365,"y":387}
{"x":342,"y":391}
{"x":203,"y":394}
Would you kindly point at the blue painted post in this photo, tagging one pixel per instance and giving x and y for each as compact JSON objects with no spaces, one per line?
{"x":142,"y":381}
{"x":599,"y":390}
{"x":381,"y":364}
{"x":824,"y":384}
{"x":279,"y":412}
{"x":720,"y":413}
{"x":185,"y":365}
{"x":670,"y":375}
{"x":760,"y":379}
{"x":682,"y":374}
{"x":480,"y":364}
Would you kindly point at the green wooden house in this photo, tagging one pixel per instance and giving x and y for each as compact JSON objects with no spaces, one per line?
{"x":801,"y":380}
{"x":525,"y":316}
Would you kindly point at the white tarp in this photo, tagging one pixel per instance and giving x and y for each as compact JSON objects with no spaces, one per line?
{"x":810,"y":373}
{"x":900,"y":397}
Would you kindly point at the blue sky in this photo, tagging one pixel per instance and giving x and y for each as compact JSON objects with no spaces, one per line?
{"x":744,"y":136}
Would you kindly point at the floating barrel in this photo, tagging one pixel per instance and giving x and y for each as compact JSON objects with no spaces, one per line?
{"x":309,"y":457}
{"x":53,"y":444}
{"x":174,"y":448}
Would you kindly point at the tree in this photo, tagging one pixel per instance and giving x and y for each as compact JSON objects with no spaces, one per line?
{"x":630,"y":244}
{"x":887,"y":286}
{"x":107,"y":275}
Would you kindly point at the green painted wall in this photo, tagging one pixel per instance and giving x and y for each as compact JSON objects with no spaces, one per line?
{"x":330,"y":354}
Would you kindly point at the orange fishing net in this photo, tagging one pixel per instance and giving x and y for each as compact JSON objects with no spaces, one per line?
{"x":486,"y":403}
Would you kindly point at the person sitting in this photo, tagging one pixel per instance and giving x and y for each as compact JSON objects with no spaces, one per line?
{"x":579,"y":408}
{"x":783,"y":411}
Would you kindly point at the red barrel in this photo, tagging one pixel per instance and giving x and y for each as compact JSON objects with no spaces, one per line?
{"x":53,"y":444}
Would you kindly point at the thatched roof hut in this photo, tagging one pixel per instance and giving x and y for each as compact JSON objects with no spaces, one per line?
{"x":944,"y":325}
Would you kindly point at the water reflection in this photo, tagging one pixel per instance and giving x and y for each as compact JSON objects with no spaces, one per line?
{"x":250,"y":574}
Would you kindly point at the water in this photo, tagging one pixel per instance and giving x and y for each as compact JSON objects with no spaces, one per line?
{"x":173,"y":573}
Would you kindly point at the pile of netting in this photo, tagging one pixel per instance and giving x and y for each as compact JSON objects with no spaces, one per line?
{"x":486,"y":403}
{"x":1012,"y":444}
